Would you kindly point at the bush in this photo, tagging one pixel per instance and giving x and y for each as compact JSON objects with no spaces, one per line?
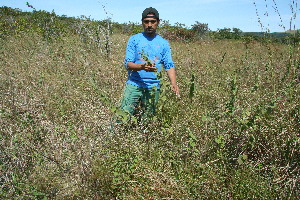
{"x":177,"y":33}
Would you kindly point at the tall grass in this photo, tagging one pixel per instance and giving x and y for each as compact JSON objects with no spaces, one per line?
{"x":233,"y":134}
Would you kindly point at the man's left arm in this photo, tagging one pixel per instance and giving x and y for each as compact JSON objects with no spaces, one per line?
{"x":172,"y":76}
{"x":170,"y":68}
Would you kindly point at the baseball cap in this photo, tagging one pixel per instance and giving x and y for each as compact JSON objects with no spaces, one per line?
{"x":150,"y":11}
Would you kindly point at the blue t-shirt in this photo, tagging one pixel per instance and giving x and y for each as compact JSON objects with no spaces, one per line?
{"x":156,"y":49}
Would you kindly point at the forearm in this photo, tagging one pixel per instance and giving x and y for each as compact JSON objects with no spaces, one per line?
{"x":172,"y":75}
{"x":135,"y":67}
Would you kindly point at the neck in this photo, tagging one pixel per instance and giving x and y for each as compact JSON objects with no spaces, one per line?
{"x":150,"y":34}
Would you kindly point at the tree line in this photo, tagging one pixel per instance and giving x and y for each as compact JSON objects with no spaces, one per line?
{"x":50,"y":26}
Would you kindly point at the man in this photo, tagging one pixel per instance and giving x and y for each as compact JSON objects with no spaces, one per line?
{"x":145,"y":54}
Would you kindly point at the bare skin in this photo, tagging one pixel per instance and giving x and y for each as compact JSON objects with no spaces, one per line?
{"x":172,"y":76}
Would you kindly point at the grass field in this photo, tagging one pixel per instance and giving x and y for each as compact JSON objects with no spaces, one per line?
{"x":233,"y":133}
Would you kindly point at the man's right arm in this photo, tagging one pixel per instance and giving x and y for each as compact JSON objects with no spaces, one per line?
{"x":137,"y":67}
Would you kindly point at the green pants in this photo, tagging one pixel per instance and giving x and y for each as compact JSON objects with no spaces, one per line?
{"x":134,"y":97}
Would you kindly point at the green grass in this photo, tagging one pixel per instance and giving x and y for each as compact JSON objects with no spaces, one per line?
{"x":233,"y":133}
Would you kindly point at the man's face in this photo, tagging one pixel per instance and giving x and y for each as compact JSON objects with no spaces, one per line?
{"x":150,"y":25}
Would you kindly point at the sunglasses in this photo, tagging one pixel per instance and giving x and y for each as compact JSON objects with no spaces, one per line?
{"x":147,"y":21}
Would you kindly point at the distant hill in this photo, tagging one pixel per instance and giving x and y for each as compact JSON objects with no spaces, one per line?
{"x":274,"y":35}
{"x":292,"y":31}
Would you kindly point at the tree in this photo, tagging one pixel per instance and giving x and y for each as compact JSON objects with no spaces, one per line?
{"x":237,"y":33}
{"x":225,"y":33}
{"x":200,"y":28}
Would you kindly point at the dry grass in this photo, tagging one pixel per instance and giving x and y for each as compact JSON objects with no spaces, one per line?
{"x":236,"y":138}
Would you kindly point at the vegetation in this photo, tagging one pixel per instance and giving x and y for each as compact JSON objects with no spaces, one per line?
{"x":233,"y":133}
{"x":50,"y":25}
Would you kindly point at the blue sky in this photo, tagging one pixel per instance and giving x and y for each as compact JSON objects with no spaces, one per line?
{"x":242,"y":14}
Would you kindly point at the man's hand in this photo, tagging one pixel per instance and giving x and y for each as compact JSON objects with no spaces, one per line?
{"x":149,"y":67}
{"x":175,"y":89}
